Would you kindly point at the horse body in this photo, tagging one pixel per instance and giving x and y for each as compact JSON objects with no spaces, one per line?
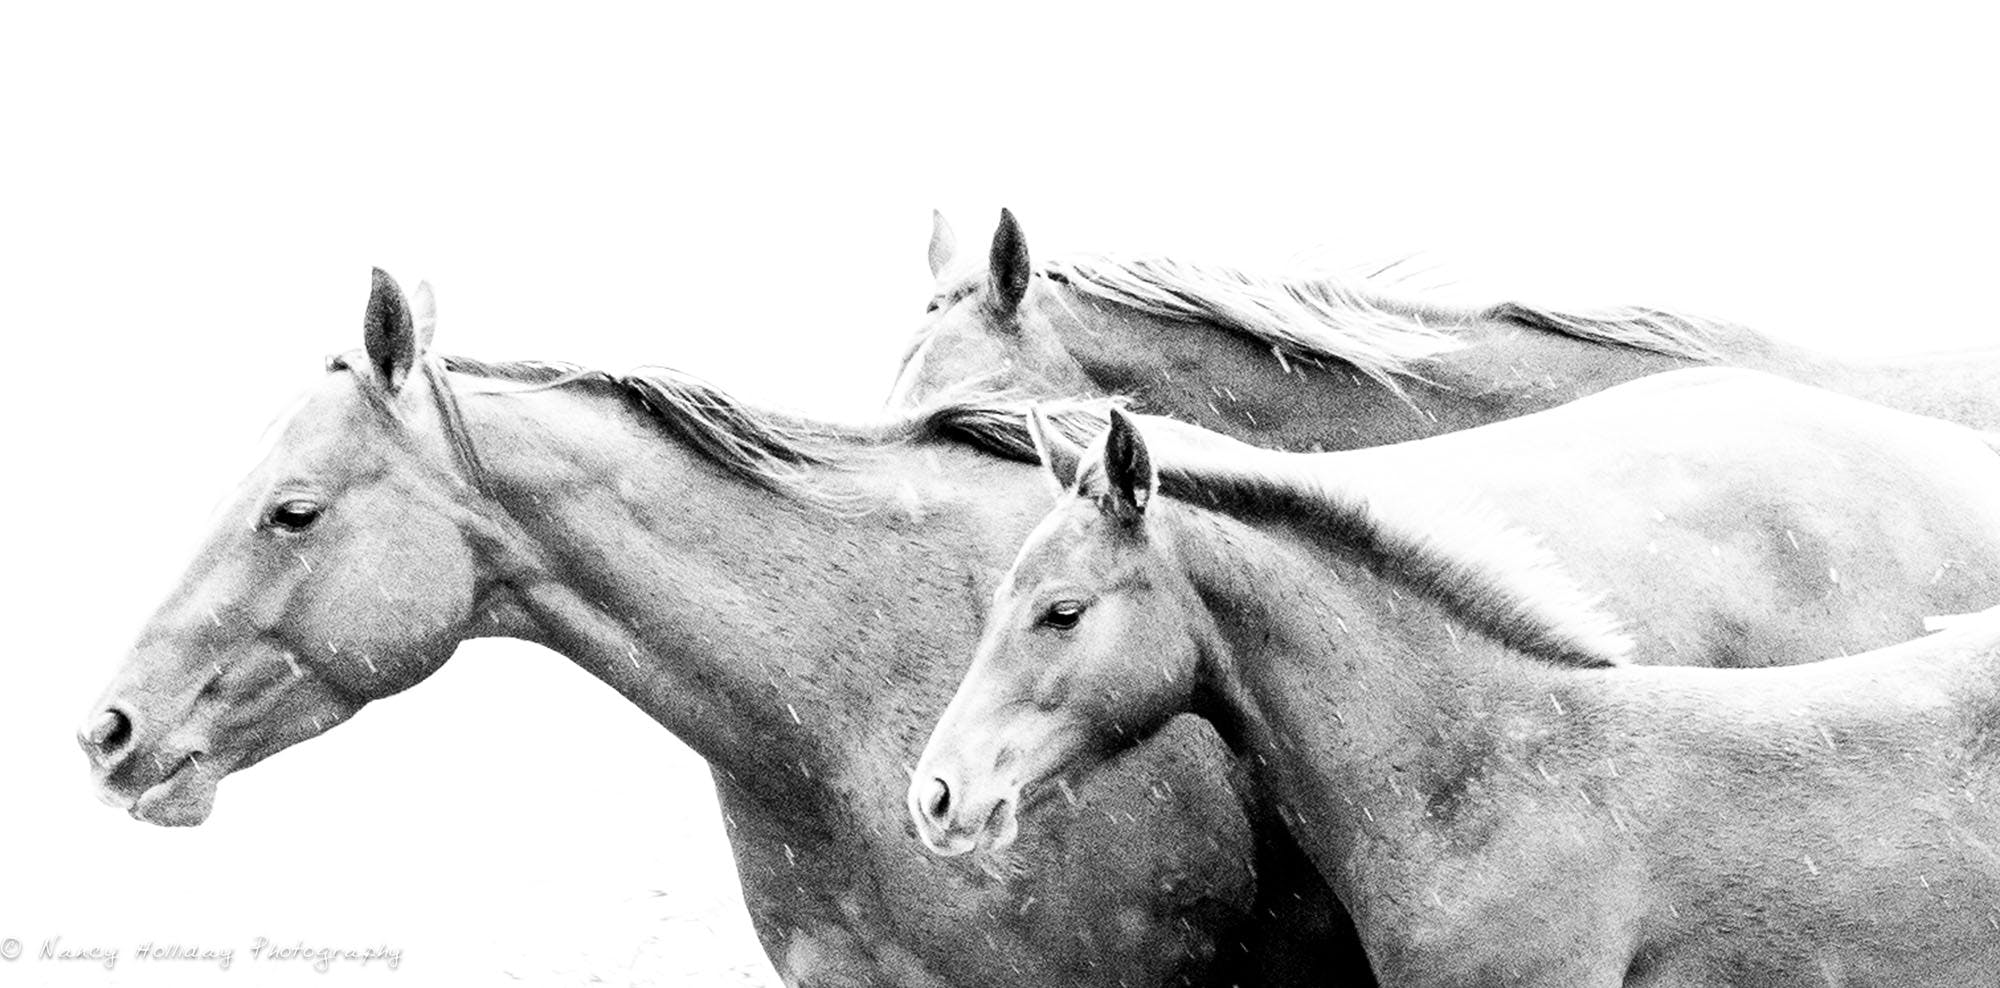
{"x":1454,"y":738}
{"x":1314,"y":363}
{"x":803,"y":662}
{"x":1495,"y":819}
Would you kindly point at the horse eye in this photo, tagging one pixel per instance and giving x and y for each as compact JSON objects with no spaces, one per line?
{"x":295,"y":516}
{"x":1063,"y":615}
{"x":934,"y":306}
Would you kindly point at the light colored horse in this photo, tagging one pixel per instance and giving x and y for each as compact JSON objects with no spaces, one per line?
{"x":1316,"y":362}
{"x":1451,"y":729}
{"x":792,"y":599}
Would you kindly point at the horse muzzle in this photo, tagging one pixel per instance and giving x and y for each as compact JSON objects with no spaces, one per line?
{"x":950,"y":824}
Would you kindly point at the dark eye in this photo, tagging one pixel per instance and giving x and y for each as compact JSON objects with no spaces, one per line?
{"x":295,"y":515}
{"x":934,"y":306}
{"x":1062,"y":615}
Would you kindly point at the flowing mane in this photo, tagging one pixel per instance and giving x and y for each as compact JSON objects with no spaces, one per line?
{"x":1323,"y":316}
{"x":777,"y":451}
{"x":1492,"y":575}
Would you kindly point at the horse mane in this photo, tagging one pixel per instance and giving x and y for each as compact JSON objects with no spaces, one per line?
{"x":1325,"y":316}
{"x":781,"y":452}
{"x":1492,"y":575}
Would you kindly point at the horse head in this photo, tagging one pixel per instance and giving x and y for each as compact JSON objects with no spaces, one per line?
{"x":346,"y":567}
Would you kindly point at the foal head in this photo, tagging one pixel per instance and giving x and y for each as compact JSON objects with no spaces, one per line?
{"x":344,"y":569}
{"x":1094,"y":641}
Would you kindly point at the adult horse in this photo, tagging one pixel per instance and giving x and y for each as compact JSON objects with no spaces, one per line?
{"x":1318,"y":363}
{"x":1453,"y":734}
{"x":416,"y":501}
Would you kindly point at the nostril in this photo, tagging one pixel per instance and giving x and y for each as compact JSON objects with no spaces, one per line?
{"x":938,"y":801}
{"x":108,"y":732}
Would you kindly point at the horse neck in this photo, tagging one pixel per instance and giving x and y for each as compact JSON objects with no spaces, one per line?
{"x":1354,"y":695}
{"x":766,"y":633}
{"x":1226,"y":382}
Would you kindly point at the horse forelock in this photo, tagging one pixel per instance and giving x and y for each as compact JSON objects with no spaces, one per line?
{"x":1492,"y":575}
{"x":1320,"y":315}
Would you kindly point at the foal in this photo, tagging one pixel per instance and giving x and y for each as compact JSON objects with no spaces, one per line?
{"x":1451,"y":729}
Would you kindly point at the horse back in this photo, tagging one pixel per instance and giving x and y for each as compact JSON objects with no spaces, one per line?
{"x":1730,"y":517}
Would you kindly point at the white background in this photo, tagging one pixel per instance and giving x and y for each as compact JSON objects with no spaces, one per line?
{"x":190,"y":203}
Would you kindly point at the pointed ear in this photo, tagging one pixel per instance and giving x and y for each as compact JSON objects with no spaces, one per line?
{"x":1007,"y":268}
{"x":388,"y":332}
{"x":424,"y":311}
{"x":1128,"y":469}
{"x":944,"y":244}
{"x":1060,"y":458}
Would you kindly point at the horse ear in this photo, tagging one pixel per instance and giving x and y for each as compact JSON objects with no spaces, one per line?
{"x":424,"y":311}
{"x":388,"y":332}
{"x":1007,"y":268}
{"x":1128,"y":469}
{"x":944,"y":244}
{"x":1060,"y":458}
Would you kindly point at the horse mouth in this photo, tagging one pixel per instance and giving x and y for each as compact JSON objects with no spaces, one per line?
{"x":182,"y":798}
{"x":997,"y":832}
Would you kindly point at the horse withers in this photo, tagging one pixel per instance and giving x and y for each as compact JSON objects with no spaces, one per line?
{"x":1454,"y":730}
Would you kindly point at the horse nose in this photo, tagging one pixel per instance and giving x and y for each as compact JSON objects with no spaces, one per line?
{"x":107,"y":736}
{"x":936,"y":802}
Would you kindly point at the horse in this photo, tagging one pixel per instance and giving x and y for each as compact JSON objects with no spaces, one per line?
{"x":1319,"y":362}
{"x":414,"y":501}
{"x":1455,"y":731}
